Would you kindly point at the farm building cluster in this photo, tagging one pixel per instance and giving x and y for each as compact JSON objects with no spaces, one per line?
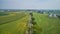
{"x":51,"y":13}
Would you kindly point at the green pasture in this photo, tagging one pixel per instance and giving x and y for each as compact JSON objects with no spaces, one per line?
{"x":16,"y":23}
{"x":45,"y":24}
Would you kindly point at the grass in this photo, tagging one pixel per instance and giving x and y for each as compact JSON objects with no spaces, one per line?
{"x":11,"y":17}
{"x":16,"y":23}
{"x":46,"y":25}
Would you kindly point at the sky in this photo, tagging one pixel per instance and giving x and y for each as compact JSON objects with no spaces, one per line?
{"x":29,"y":4}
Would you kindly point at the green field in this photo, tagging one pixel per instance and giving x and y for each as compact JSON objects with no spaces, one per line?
{"x":17,"y":23}
{"x":45,"y":24}
{"x":14,"y":23}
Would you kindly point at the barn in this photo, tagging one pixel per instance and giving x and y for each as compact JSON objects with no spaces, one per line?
{"x":52,"y":15}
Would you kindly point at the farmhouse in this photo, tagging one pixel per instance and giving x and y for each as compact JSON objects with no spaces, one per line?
{"x":44,"y":12}
{"x":52,"y":15}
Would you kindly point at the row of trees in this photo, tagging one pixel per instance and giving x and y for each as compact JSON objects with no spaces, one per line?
{"x":34,"y":28}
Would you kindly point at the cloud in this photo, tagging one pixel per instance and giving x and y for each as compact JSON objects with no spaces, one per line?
{"x":30,"y":4}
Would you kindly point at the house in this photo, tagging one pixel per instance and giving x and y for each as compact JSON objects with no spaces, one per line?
{"x":44,"y":12}
{"x":52,"y":15}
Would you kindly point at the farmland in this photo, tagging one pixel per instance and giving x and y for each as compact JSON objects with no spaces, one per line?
{"x":17,"y":23}
{"x":45,"y":24}
{"x":14,"y":23}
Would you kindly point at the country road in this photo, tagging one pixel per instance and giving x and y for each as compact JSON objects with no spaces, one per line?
{"x":30,"y":29}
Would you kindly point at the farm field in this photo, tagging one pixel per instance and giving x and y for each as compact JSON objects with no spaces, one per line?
{"x":45,"y":24}
{"x":14,"y":23}
{"x":17,"y":23}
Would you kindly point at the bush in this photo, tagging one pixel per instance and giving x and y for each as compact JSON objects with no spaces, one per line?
{"x":58,"y":16}
{"x":34,"y":23}
{"x":31,"y":14}
{"x":32,"y":18}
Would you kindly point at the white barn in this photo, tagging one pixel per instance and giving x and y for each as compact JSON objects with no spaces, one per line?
{"x":52,"y":15}
{"x":44,"y":12}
